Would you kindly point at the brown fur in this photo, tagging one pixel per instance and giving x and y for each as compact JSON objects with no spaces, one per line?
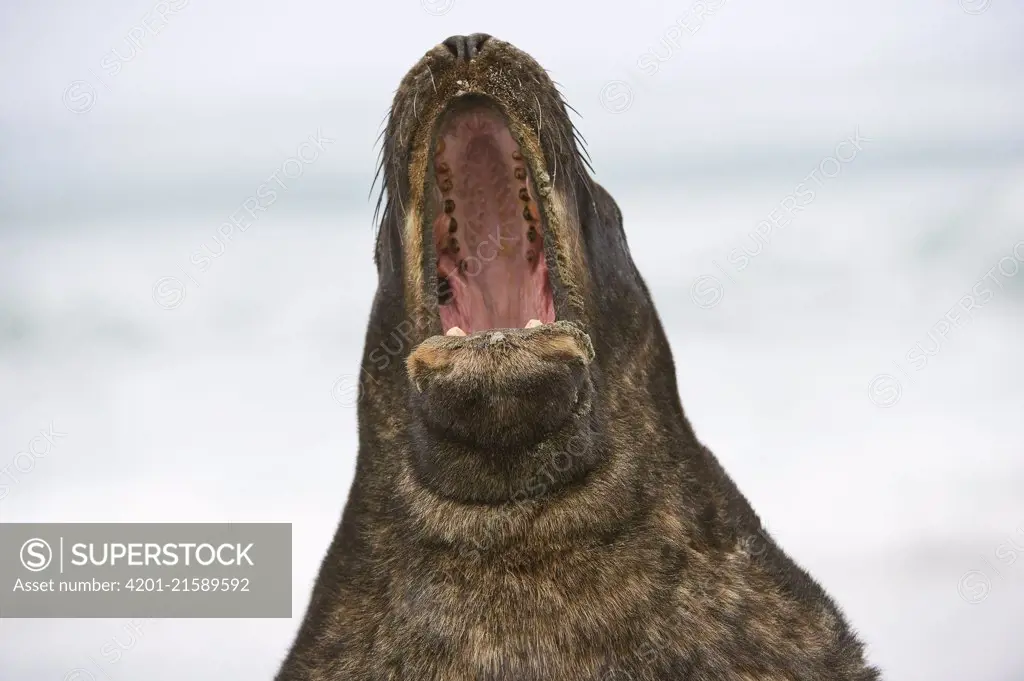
{"x":533,"y":505}
{"x":515,"y":354}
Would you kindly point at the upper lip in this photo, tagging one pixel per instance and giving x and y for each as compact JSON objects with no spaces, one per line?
{"x":518,"y":87}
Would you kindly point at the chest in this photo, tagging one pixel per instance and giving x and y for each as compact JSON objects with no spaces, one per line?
{"x":501,"y":622}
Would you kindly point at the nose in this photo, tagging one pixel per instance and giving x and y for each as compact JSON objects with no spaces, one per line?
{"x":466,"y":47}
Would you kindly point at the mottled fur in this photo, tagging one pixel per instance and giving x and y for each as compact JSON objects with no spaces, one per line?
{"x":600,"y":540}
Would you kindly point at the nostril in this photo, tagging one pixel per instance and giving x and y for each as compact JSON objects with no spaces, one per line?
{"x":466,"y":48}
{"x":477,"y":41}
{"x":454,"y":45}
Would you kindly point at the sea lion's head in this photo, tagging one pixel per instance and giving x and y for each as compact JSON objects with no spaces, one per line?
{"x":511,"y":333}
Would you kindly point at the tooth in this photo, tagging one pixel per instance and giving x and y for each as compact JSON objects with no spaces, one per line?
{"x":517,"y":155}
{"x":524,"y":194}
{"x":520,"y":173}
{"x":456,"y":331}
{"x":444,"y":291}
{"x":530,"y":213}
{"x":449,"y":206}
{"x":534,"y":323}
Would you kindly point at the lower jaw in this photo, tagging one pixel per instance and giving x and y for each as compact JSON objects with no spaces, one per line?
{"x":468,"y":474}
{"x":502,"y":415}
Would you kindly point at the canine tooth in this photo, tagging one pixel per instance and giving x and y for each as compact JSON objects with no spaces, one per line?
{"x":520,"y":173}
{"x":452,"y":226}
{"x":524,"y":194}
{"x":443,"y":168}
{"x":455,"y":331}
{"x":534,"y":323}
{"x":517,"y":155}
{"x":531,"y":234}
{"x":449,"y":206}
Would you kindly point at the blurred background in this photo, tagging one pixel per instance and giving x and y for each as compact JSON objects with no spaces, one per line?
{"x":856,"y":366}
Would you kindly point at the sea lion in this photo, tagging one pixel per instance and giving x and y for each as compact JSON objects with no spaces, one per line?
{"x":530,"y":503}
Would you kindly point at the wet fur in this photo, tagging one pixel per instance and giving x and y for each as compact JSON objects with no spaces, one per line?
{"x":644,"y":563}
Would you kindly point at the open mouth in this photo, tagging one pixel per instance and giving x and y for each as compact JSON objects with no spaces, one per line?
{"x":488,"y":235}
